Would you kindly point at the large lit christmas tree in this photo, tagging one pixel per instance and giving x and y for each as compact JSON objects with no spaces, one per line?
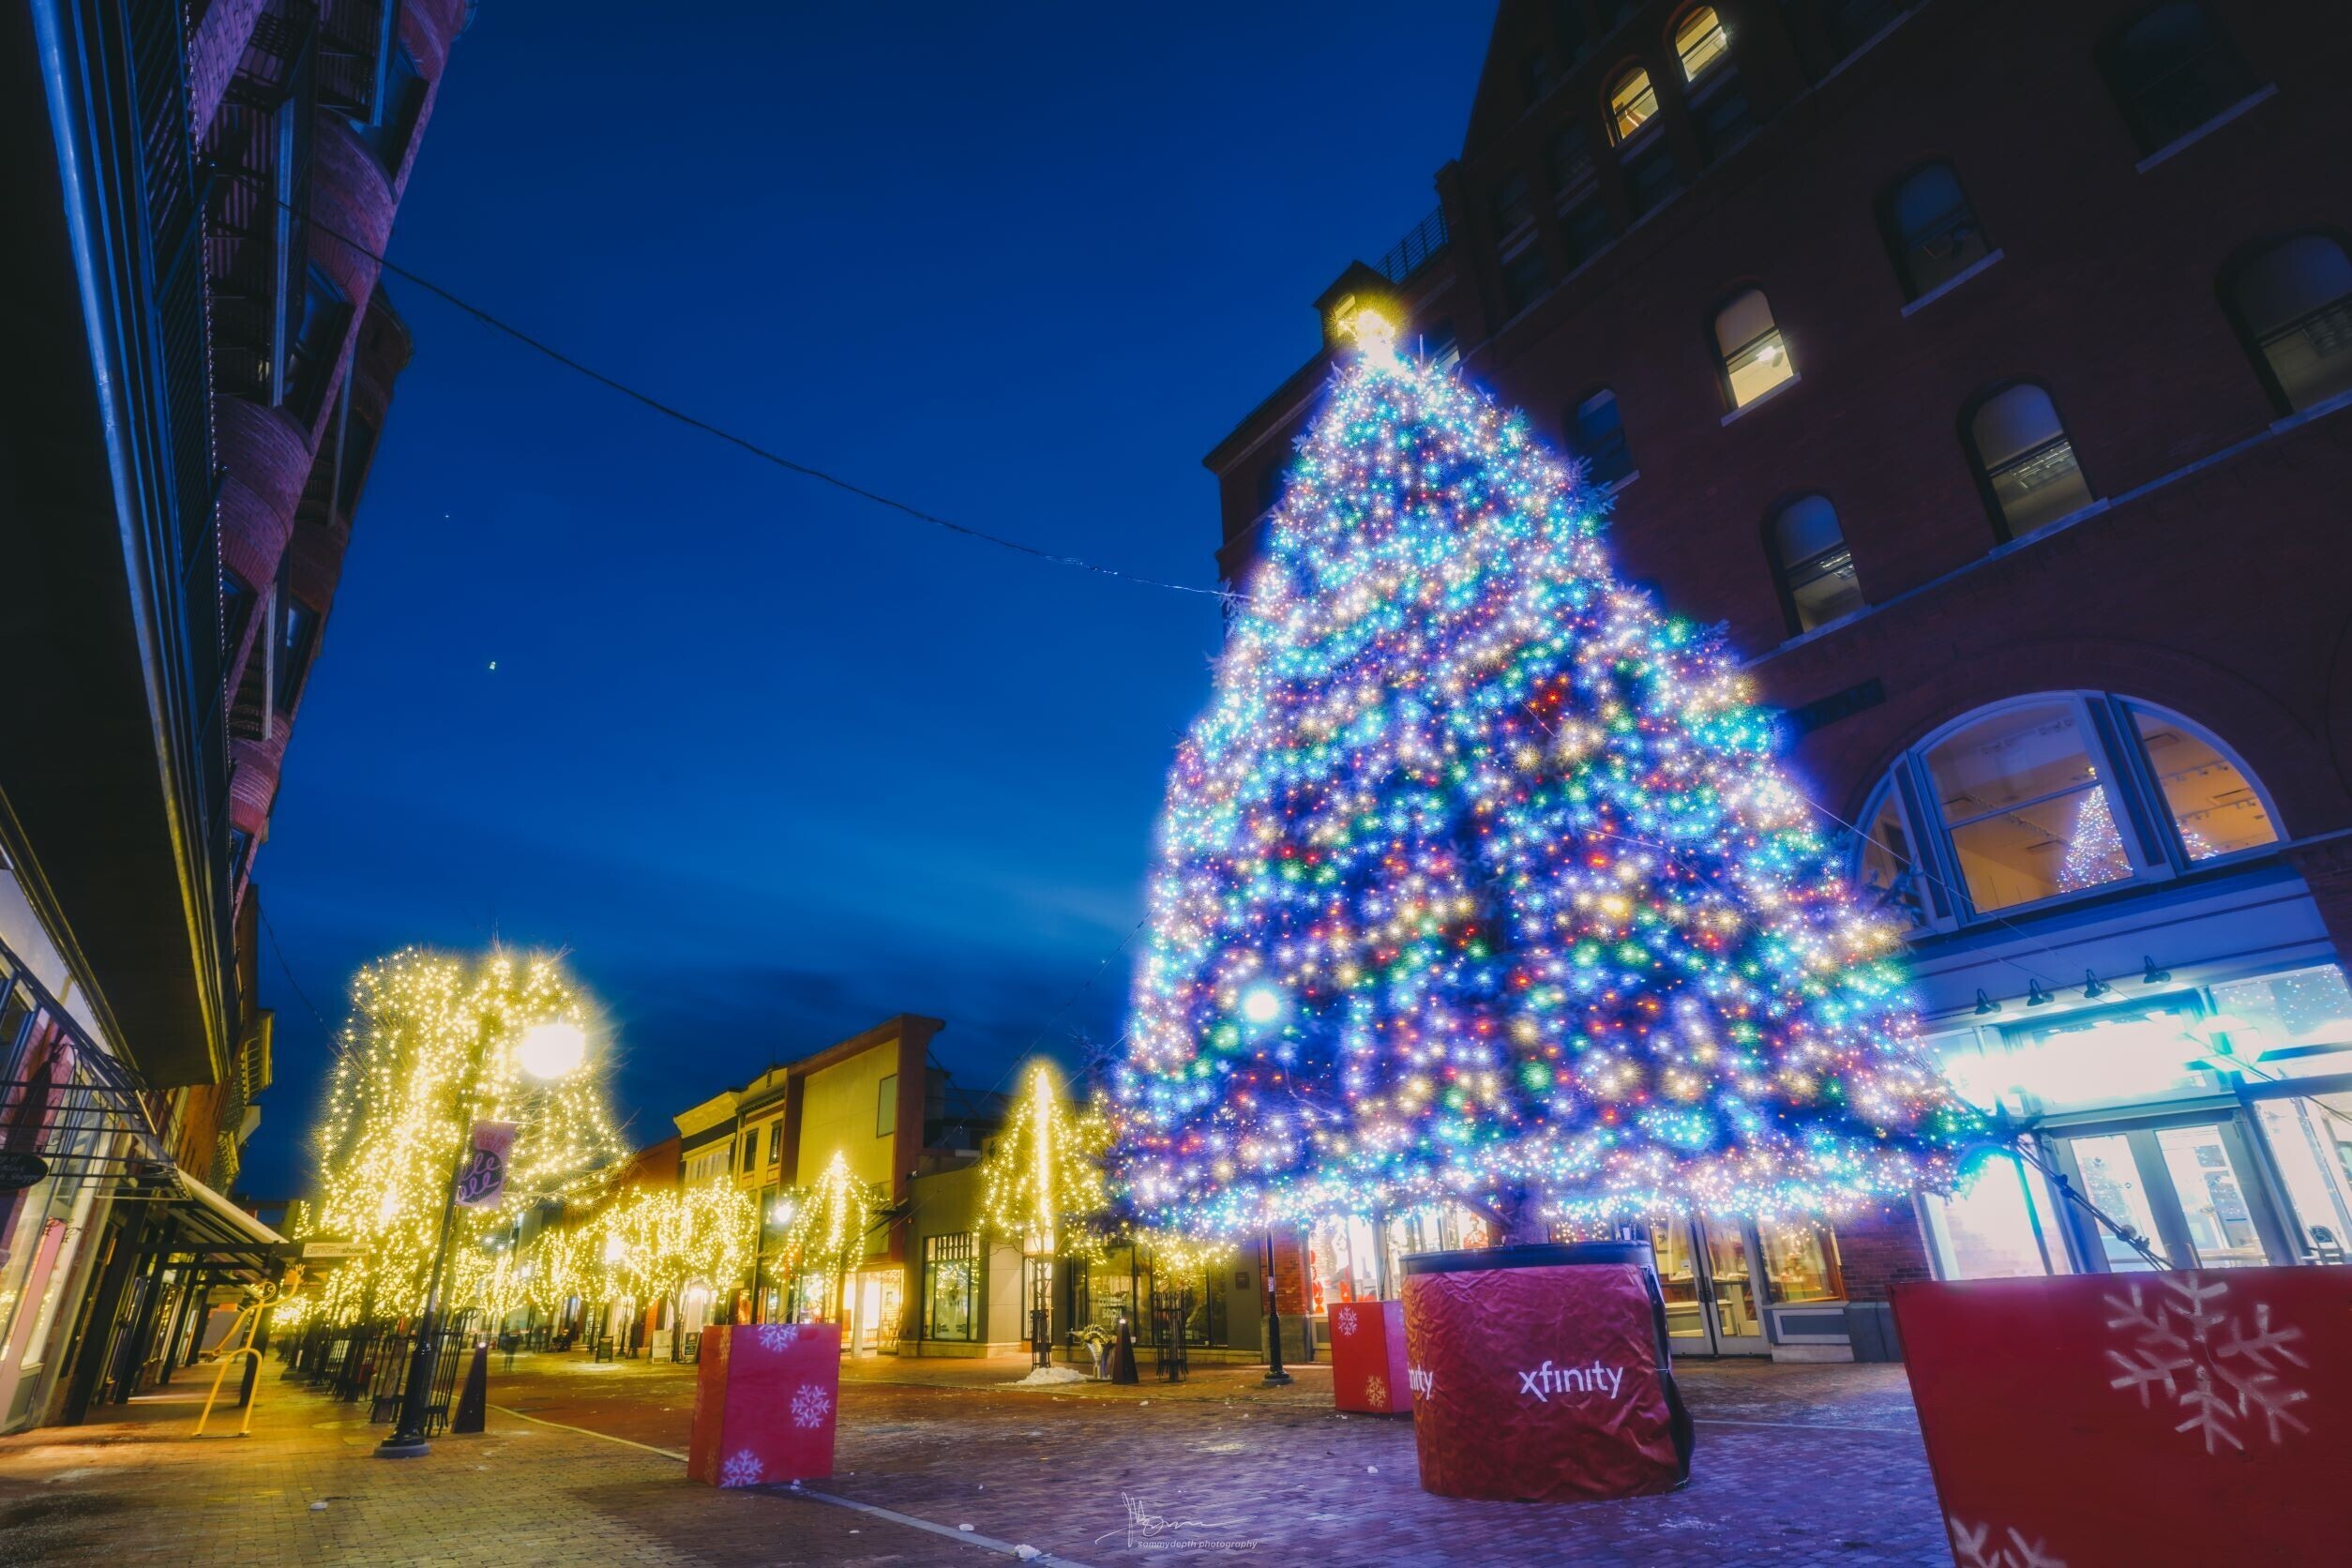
{"x":1479,"y":880}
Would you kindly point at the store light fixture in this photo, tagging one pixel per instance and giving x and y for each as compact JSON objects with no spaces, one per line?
{"x":1985,"y":1003}
{"x":2094,"y":988}
{"x":2151,"y":976}
{"x":2035,"y":995}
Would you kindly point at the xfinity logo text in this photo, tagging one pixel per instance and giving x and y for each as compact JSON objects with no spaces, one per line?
{"x":1547,"y":1380}
{"x":1418,"y":1382}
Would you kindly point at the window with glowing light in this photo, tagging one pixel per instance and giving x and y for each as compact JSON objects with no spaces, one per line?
{"x":1749,"y":345}
{"x":2051,"y":796}
{"x":887,"y":1106}
{"x":1633,"y":104}
{"x":2292,"y":303}
{"x":1699,"y":42}
{"x":951,"y":1286}
{"x":2024,"y":461}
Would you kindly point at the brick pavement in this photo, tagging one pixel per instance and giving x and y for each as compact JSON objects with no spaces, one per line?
{"x":1797,"y":1465}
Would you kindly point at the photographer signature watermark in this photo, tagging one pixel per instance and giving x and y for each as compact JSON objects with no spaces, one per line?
{"x":1148,"y":1530}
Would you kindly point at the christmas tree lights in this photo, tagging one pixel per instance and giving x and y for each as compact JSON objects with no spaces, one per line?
{"x":825,"y":1235}
{"x":1043,"y":1182}
{"x":429,"y":1048}
{"x":660,"y":1242}
{"x":1478,"y":880}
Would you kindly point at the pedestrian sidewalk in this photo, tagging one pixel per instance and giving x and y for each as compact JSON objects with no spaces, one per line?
{"x":307,"y":1488}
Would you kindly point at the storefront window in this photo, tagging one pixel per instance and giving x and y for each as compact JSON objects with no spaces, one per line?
{"x":2111,"y":1181}
{"x":1111,"y":1283}
{"x":2211,"y":1191}
{"x":1677,"y":1278}
{"x":2024,"y":804}
{"x":2099,"y":1058}
{"x":2212,"y":802}
{"x":1889,"y":872}
{"x":1997,"y":1223}
{"x":1345,"y":1262}
{"x":950,"y":1287}
{"x":1800,"y":1264}
{"x":2298,"y":1024}
{"x":2310,"y":1140}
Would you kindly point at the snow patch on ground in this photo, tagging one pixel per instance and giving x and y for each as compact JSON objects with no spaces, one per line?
{"x":1047,"y":1377}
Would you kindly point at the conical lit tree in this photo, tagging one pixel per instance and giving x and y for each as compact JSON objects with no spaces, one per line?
{"x":433,"y":1044}
{"x":1042,"y":1185}
{"x":1479,"y":878}
{"x":825,"y":1235}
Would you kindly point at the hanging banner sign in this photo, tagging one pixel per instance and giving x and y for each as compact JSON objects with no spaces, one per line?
{"x":20,"y":1169}
{"x":482,"y":1181}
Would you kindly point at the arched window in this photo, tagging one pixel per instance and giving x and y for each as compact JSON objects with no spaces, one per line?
{"x":1596,"y":433}
{"x":2049,"y":796}
{"x":2171,"y":70}
{"x":1699,"y":42}
{"x":1931,"y":230}
{"x":1815,"y":568}
{"x":2024,"y":461}
{"x":2293,"y":302}
{"x":1633,"y":104}
{"x":1748,"y":345}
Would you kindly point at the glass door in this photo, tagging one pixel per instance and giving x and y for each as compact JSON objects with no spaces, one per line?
{"x":2188,"y":1189}
{"x":1707,"y":1273}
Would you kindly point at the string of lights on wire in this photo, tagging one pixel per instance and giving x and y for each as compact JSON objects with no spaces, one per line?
{"x":1479,"y":878}
{"x":668,"y":411}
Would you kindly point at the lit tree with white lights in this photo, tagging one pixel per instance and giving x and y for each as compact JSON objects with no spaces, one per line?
{"x":1479,"y":878}
{"x":436,"y":1043}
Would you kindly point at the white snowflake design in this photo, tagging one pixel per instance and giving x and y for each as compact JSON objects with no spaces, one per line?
{"x":2187,"y":1342}
{"x":811,"y":1405}
{"x":1345,"y":1320}
{"x":741,"y":1469}
{"x":777,"y":1337}
{"x":1376,"y":1392}
{"x":1974,"y":1547}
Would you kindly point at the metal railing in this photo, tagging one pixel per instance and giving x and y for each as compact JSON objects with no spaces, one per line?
{"x":1422,"y":244}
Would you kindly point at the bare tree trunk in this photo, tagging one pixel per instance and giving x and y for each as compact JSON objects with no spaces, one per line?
{"x":1517,"y":1216}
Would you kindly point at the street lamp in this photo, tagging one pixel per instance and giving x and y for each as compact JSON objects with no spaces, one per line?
{"x":1275,"y":1375}
{"x":547,"y":1050}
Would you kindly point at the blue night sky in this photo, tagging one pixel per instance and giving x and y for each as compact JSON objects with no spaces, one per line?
{"x":770,"y":762}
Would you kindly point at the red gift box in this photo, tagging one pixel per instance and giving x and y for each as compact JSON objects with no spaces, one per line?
{"x":1539,"y":1380}
{"x":2176,"y":1417}
{"x":766,"y":1397}
{"x":1368,"y":1358}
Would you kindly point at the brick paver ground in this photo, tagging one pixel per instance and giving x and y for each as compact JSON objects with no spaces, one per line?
{"x":1796,"y":1465}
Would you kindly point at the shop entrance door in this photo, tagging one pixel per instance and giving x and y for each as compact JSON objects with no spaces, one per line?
{"x":1706,"y":1270}
{"x":2189,"y":1189}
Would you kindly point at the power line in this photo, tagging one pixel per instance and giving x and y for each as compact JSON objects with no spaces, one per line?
{"x":286,"y":969}
{"x":765,"y":454}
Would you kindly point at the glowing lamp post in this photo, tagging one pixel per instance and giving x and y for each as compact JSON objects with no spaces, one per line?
{"x":547,"y":1050}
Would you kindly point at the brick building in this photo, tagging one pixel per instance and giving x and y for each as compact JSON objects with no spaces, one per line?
{"x":1986,"y":369}
{"x":201,"y":360}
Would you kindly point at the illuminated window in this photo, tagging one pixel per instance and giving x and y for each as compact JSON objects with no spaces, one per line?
{"x":1699,"y":41}
{"x":2171,"y":70}
{"x":2293,"y":302}
{"x":1818,"y":582}
{"x":775,"y":1141}
{"x":1931,"y":228}
{"x":2051,"y":796}
{"x":2212,"y":805}
{"x":887,"y":1106}
{"x":1633,"y":103}
{"x":1754,"y":358}
{"x":2025,"y":461}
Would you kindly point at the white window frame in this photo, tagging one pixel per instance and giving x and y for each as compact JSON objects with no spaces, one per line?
{"x":2144,"y":821}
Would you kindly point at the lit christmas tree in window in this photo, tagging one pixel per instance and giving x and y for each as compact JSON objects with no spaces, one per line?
{"x":1479,"y":878}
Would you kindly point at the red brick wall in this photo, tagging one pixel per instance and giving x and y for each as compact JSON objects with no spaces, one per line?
{"x":1291,"y":1297}
{"x":1881,"y":1250}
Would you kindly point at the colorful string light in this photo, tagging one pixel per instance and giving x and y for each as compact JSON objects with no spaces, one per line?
{"x":1479,"y":879}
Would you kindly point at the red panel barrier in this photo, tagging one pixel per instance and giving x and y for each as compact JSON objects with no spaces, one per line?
{"x":1541,"y":1383}
{"x":1368,"y":1358}
{"x":2188,"y":1418}
{"x":765,"y":1396}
